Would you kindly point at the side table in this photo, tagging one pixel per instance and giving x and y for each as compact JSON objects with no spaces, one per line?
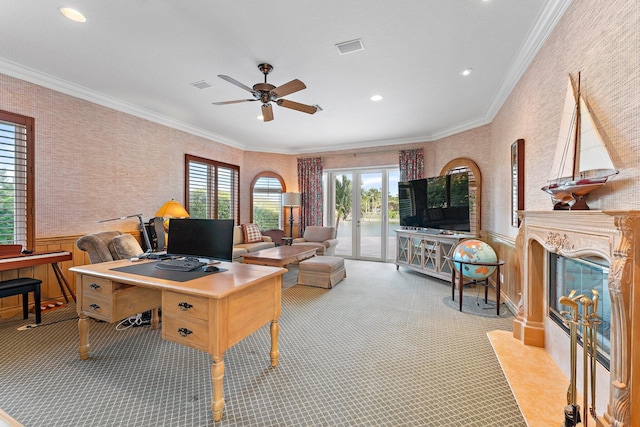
{"x":287,"y":241}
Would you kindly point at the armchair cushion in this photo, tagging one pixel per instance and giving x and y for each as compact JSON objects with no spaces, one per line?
{"x":100,"y":249}
{"x":124,"y":246}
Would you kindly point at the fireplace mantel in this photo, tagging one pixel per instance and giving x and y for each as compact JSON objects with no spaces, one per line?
{"x":613,"y":236}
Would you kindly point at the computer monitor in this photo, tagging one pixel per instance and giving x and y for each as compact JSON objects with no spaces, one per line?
{"x":204,"y":238}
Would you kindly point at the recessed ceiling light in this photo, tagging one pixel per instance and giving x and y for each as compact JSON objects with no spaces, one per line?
{"x":73,"y":14}
{"x":376,"y":98}
{"x":466,"y":71}
{"x":260,"y":117}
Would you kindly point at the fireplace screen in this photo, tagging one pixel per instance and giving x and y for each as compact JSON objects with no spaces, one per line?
{"x":581,"y":275}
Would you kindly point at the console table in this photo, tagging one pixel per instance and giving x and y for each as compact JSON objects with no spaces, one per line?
{"x":209,"y":313}
{"x":427,"y":251}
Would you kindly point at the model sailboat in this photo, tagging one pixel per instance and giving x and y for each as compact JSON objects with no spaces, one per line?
{"x":581,"y":162}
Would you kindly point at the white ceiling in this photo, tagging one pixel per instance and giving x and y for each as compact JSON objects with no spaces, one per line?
{"x":140,"y":56}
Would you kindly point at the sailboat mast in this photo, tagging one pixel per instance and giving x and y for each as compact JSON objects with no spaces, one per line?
{"x":576,"y":140}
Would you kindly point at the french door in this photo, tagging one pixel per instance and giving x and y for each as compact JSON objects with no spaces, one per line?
{"x":363,"y":205}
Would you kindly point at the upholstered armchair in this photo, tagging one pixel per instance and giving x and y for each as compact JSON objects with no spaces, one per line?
{"x":323,"y":238}
{"x":109,"y":246}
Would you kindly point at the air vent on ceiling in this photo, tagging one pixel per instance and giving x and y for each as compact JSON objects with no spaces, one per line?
{"x":201,"y":84}
{"x":350,"y":46}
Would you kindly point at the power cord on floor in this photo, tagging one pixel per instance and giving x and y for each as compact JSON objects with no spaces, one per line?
{"x":130,"y":322}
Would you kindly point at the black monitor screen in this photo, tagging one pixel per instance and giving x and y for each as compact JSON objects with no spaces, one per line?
{"x":206,"y":238}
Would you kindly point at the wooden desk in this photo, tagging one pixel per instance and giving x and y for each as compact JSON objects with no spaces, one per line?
{"x":210,"y":313}
{"x":11,"y":262}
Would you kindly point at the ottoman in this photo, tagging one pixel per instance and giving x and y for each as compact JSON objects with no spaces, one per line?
{"x":321,"y":271}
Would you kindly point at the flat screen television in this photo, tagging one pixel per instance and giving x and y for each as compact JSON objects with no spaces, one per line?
{"x":203,"y":238}
{"x":439,"y":202}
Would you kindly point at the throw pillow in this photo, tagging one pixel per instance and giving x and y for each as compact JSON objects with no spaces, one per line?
{"x":251,"y":233}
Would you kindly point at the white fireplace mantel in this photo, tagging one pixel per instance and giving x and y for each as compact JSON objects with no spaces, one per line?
{"x":613,"y":236}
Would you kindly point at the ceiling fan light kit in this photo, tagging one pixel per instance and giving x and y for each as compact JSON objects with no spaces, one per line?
{"x":267,"y":93}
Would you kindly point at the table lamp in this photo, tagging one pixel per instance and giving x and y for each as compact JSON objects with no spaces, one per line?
{"x":291,"y":200}
{"x":170,"y":209}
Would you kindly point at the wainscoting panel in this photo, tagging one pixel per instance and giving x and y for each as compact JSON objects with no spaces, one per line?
{"x":50,"y":290}
{"x":510,"y":283}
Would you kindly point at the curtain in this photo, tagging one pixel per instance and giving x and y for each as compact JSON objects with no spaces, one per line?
{"x":310,"y":186}
{"x":411,"y":163}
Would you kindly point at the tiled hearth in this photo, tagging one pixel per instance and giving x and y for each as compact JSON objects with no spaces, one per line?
{"x":610,"y":235}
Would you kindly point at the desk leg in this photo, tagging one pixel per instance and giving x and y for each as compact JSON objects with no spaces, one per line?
{"x":83,"y":332}
{"x":217,"y":375}
{"x":275,"y":353}
{"x":155,"y":319}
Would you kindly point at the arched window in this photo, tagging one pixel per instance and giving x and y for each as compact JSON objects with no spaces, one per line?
{"x":266,"y":201}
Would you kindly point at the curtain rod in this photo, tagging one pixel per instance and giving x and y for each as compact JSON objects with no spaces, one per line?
{"x":356,"y":153}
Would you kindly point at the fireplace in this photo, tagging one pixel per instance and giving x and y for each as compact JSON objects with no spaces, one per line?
{"x":610,"y":238}
{"x":584,"y":276}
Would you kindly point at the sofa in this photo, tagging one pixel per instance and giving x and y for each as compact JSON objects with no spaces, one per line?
{"x":241,"y":247}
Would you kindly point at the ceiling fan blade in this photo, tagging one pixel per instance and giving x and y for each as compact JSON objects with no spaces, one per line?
{"x":235,"y":82}
{"x":267,"y":112}
{"x":233,"y":102}
{"x":287,"y":88}
{"x":309,"y":109}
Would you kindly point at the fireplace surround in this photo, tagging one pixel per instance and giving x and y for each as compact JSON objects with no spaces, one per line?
{"x":613,"y":236}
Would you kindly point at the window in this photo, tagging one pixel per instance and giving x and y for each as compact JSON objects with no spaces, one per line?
{"x":212,"y":189}
{"x":266,"y":201}
{"x":17,"y":194}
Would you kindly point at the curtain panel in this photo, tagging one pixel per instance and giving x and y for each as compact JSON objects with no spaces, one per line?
{"x":310,"y":185}
{"x":411,"y":164}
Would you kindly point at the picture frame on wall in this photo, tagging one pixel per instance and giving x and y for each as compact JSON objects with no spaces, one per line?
{"x":517,"y":181}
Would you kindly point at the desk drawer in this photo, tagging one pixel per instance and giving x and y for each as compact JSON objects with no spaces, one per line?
{"x":96,"y":287}
{"x":120,"y":302}
{"x":185,"y":306}
{"x":179,"y":330}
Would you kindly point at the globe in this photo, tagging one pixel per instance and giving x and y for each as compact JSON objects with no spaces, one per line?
{"x":472,"y":250}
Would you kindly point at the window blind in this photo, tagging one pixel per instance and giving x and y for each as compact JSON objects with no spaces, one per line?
{"x":14,"y":168}
{"x":213,"y":189}
{"x":267,"y":203}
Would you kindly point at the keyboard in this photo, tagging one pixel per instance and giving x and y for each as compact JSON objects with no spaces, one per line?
{"x":180,"y":264}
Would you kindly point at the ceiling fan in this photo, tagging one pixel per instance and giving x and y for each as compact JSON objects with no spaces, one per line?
{"x":267,"y":93}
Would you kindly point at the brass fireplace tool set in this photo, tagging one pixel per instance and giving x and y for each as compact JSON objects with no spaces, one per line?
{"x":589,"y":321}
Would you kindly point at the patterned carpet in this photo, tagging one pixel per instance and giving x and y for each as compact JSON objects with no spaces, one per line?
{"x":379,"y":349}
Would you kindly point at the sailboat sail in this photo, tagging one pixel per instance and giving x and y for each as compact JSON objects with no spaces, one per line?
{"x":581,"y":162}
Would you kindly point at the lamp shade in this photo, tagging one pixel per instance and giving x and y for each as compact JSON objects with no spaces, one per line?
{"x":172,"y":209}
{"x":291,"y":199}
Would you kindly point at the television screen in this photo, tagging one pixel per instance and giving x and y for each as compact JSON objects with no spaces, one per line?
{"x":440,"y":202}
{"x":204,"y":238}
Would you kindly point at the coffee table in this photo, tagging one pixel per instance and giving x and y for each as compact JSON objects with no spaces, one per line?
{"x":280,"y":255}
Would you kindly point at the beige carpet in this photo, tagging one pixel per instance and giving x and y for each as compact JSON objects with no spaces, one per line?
{"x":379,"y":349}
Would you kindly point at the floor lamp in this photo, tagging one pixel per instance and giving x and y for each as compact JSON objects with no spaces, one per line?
{"x":291,"y":200}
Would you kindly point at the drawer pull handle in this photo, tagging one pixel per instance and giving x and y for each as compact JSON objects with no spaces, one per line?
{"x":94,"y":307}
{"x":184,"y":332}
{"x":94,"y":286}
{"x":184,"y":306}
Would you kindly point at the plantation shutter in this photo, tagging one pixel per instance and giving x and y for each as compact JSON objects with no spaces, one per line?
{"x":16,"y":180}
{"x":267,"y":203}
{"x":212,"y":189}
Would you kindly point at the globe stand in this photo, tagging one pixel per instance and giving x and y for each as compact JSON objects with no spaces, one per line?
{"x":484,"y":282}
